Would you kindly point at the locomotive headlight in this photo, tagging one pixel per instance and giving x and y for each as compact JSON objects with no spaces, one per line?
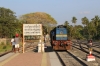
{"x":61,"y":44}
{"x":54,"y":43}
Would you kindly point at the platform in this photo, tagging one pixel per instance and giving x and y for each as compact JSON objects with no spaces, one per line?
{"x":30,"y":59}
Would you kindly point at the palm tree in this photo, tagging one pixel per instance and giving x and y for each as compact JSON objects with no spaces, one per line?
{"x":66,"y":23}
{"x":85,"y":22}
{"x":74,"y":20}
{"x":96,"y":20}
{"x":70,"y":33}
{"x":92,"y":30}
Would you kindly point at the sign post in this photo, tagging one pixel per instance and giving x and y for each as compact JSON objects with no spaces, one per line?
{"x":42,"y":44}
{"x":31,"y":30}
{"x":23,"y":43}
{"x":90,"y":57}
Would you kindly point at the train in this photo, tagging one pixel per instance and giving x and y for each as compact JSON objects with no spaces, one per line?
{"x":59,"y":38}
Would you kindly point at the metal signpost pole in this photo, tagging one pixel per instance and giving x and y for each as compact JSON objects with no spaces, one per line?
{"x":41,"y":43}
{"x":23,"y":42}
{"x":41,"y":40}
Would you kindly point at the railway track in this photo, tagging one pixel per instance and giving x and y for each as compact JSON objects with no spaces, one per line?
{"x":69,"y":59}
{"x":74,"y":57}
{"x":81,"y":50}
{"x":77,"y":56}
{"x":4,"y":53}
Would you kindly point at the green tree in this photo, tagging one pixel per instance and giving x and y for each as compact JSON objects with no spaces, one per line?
{"x":79,"y":31}
{"x":71,"y":32}
{"x":96,"y":22}
{"x":91,"y":29}
{"x":85,"y":22}
{"x":7,"y":22}
{"x":66,"y":23}
{"x":74,"y":20}
{"x":39,"y":18}
{"x":68,"y":29}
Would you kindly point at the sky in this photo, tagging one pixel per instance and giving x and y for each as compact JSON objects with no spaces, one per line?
{"x":60,"y":10}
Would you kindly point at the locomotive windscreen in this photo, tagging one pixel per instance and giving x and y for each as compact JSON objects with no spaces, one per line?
{"x":61,"y":34}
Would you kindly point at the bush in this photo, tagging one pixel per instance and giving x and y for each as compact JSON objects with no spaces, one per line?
{"x":2,"y":43}
{"x":4,"y":47}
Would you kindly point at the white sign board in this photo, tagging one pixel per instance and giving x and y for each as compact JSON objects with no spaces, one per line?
{"x":32,"y":29}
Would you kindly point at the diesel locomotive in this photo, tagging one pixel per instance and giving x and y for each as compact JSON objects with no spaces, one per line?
{"x":59,"y":38}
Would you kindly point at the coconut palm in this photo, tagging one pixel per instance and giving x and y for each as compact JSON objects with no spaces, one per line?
{"x":96,"y":21}
{"x":66,"y":23}
{"x":74,"y":20}
{"x":85,"y":22}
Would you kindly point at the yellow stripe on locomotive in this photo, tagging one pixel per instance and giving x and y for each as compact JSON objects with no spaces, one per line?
{"x":59,"y":38}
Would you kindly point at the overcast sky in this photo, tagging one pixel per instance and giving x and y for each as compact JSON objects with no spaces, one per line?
{"x":60,"y":10}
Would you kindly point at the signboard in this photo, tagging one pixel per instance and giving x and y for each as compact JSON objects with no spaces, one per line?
{"x":31,"y":32}
{"x":32,"y":29}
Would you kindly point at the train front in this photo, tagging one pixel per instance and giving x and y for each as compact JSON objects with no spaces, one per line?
{"x":61,"y":42}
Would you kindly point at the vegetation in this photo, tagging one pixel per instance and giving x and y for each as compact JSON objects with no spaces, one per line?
{"x":45,"y":19}
{"x":5,"y":47}
{"x":89,"y":30}
{"x":10,"y":24}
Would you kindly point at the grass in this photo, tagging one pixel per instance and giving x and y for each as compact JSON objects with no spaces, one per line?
{"x":5,"y":47}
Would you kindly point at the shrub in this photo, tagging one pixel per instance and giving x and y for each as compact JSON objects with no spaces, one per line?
{"x":4,"y":47}
{"x":2,"y":43}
